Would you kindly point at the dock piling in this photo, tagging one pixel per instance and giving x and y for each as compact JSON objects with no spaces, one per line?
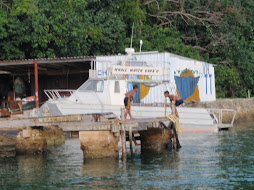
{"x":130,"y":139}
{"x":123,"y":135}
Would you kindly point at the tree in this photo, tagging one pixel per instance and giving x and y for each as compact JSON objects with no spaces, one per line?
{"x":3,"y":21}
{"x":106,"y":31}
{"x":44,"y":28}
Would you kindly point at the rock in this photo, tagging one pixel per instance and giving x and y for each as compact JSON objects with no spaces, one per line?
{"x":27,"y":132}
{"x":54,"y":135}
{"x":35,"y":144}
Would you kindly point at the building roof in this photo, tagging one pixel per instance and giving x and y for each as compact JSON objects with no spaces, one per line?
{"x":157,"y":53}
{"x":63,"y":64}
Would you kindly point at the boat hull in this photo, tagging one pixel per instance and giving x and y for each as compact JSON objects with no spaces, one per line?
{"x":191,"y":119}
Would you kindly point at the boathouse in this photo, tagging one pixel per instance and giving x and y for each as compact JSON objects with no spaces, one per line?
{"x":191,"y":79}
{"x":18,"y":78}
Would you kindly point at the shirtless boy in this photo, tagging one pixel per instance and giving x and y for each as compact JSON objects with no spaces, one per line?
{"x":177,"y":100}
{"x":127,"y":101}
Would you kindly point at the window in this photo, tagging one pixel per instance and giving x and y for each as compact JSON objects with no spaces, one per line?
{"x":92,"y":85}
{"x":117,"y":87}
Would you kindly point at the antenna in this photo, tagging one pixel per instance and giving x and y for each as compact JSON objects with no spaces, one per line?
{"x":132,"y":34}
{"x":141,"y":42}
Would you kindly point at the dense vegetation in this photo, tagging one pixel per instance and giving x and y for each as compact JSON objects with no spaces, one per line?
{"x":215,"y":31}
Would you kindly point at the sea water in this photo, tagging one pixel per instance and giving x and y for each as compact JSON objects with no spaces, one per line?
{"x":223,"y":160}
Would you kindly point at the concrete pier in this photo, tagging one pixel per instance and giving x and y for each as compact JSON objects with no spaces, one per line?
{"x":98,"y":144}
{"x":156,"y":139}
{"x":53,"y":135}
{"x":99,"y":133}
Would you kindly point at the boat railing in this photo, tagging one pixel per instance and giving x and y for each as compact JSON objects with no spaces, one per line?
{"x":219,"y":114}
{"x":58,"y":94}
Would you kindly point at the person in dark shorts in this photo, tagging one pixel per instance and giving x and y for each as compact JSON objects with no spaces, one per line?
{"x":177,"y":100}
{"x":127,"y":101}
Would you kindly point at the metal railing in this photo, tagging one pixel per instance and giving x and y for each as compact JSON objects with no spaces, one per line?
{"x":58,"y":94}
{"x":219,"y":120}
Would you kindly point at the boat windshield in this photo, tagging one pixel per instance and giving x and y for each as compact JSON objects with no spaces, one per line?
{"x":92,"y":85}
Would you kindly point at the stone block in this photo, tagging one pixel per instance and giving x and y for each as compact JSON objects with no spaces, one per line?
{"x":26,"y":133}
{"x":98,"y":144}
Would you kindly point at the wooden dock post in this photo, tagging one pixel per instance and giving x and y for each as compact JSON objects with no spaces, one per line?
{"x":165,"y":107}
{"x":123,"y":135}
{"x":130,"y":139}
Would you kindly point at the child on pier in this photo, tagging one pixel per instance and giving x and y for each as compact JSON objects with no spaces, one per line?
{"x":127,"y":101}
{"x":177,"y":100}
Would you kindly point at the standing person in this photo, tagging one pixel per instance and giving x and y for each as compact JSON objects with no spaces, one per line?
{"x":177,"y":100}
{"x":127,"y":101}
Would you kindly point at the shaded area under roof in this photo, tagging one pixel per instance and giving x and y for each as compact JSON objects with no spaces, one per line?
{"x":51,"y":66}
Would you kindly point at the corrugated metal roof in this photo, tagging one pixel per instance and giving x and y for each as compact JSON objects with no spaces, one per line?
{"x":22,"y":65}
{"x":155,"y":52}
{"x":46,"y":60}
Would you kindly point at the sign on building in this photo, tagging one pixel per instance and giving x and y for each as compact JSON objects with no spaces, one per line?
{"x":125,"y":70}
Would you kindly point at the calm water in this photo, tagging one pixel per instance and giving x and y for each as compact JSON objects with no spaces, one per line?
{"x":206,"y":161}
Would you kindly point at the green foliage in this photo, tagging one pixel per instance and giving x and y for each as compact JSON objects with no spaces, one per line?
{"x":132,"y":13}
{"x":24,"y":7}
{"x":3,"y":21}
{"x":106,"y":30}
{"x":228,"y":82}
{"x":163,"y":40}
{"x":10,"y":44}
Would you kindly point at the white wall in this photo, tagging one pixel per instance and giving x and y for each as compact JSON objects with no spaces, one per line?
{"x":199,"y":69}
{"x":176,"y":64}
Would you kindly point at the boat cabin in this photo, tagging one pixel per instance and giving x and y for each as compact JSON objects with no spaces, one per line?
{"x":100,"y":91}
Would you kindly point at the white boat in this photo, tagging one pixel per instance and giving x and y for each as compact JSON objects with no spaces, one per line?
{"x":101,"y":95}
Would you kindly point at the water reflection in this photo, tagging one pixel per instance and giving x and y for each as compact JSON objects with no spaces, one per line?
{"x":206,"y":161}
{"x":102,"y":167}
{"x":236,"y":155}
{"x":31,"y":169}
{"x":166,"y":159}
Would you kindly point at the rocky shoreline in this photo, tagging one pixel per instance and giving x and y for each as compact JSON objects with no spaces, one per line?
{"x":30,"y":140}
{"x":244,"y":108}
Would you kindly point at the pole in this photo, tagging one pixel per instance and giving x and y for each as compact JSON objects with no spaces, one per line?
{"x":13,"y":82}
{"x":36,"y":84}
{"x":123,"y":135}
{"x":132,"y":34}
{"x":130,"y":139}
{"x":165,"y":106}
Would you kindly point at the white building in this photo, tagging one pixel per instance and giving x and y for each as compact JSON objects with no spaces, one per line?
{"x":191,"y":79}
